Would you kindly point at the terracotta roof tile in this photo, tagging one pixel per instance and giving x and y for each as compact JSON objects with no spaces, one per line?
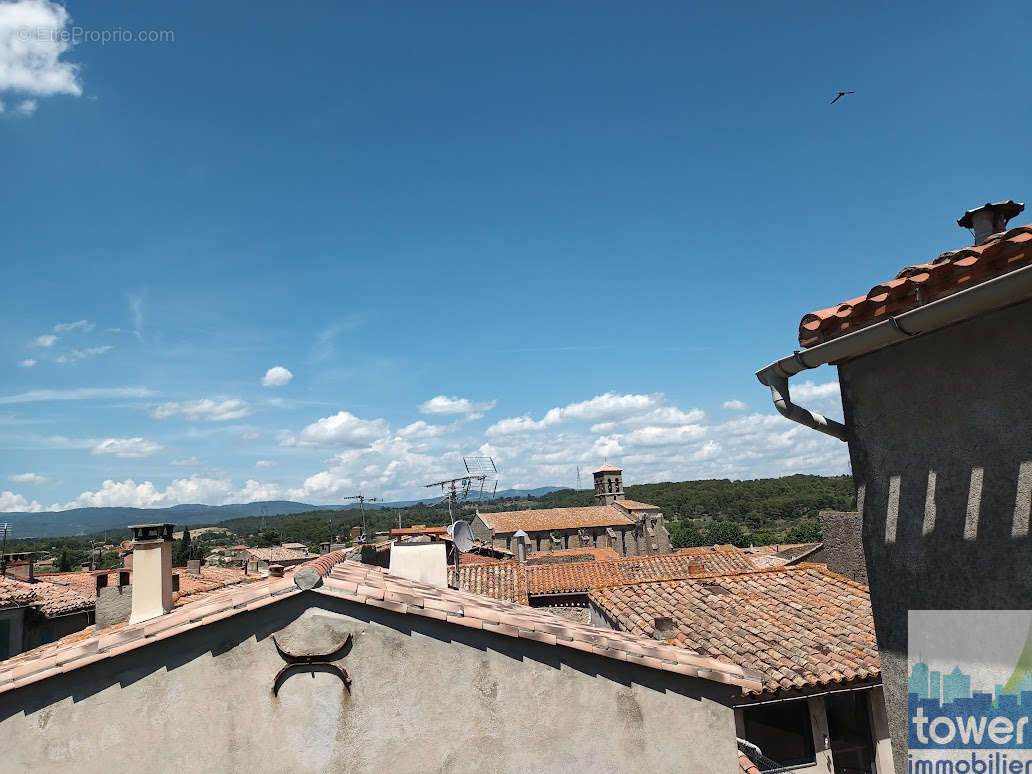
{"x":571,"y":554}
{"x":555,"y":518}
{"x":607,"y":468}
{"x":50,"y":599}
{"x":353,"y":581}
{"x":799,"y":626}
{"x":920,"y":284}
{"x":514,"y":581}
{"x":634,"y":505}
{"x":746,"y":765}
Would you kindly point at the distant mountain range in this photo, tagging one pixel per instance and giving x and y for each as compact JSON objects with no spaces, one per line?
{"x":86,"y":521}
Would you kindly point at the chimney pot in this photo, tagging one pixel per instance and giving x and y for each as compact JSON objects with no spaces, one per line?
{"x":989,"y":219}
{"x":696,"y":567}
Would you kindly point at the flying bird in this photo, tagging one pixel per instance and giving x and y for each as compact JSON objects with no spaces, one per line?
{"x":841,"y":94}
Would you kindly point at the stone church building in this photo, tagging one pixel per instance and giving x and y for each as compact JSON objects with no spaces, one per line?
{"x":630,"y":528}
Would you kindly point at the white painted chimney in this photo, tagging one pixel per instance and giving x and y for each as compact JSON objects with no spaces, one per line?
{"x":152,"y":571}
{"x":521,"y":538}
{"x":989,"y":219}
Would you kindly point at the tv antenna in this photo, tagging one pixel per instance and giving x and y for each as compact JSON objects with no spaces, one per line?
{"x":481,"y":472}
{"x":362,"y":500}
{"x":578,"y":478}
{"x":5,"y":530}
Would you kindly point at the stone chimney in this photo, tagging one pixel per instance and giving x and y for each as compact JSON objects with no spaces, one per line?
{"x":152,"y":571}
{"x":989,"y":219}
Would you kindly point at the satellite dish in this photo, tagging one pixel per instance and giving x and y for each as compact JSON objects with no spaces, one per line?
{"x":462,"y":535}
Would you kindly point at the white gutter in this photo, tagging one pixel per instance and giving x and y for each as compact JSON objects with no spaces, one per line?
{"x":1010,"y":288}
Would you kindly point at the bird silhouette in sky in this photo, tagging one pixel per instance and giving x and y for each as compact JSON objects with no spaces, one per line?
{"x":841,"y":94}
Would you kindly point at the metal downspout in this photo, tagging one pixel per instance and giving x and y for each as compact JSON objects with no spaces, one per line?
{"x":1010,"y":288}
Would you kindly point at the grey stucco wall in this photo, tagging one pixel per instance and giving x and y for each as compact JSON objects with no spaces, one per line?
{"x":941,"y":450}
{"x":426,"y":696}
{"x":114,"y":605}
{"x":843,"y":548}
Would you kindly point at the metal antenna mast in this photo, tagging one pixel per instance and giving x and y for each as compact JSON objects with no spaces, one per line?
{"x":5,"y":529}
{"x":480,"y":472}
{"x":362,"y":500}
{"x":578,"y":478}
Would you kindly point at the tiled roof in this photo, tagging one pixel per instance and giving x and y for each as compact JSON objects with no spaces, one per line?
{"x":607,"y":468}
{"x":276,"y":554}
{"x":373,"y":586}
{"x":15,"y":593}
{"x":781,"y":555}
{"x":364,"y":584}
{"x":210,"y":578}
{"x":634,"y":505}
{"x":576,"y":554}
{"x":920,"y":284}
{"x":500,"y":580}
{"x":799,"y":626}
{"x":580,"y":576}
{"x":50,"y":599}
{"x":419,"y":530}
{"x":296,"y":547}
{"x":555,"y":518}
{"x":514,"y":581}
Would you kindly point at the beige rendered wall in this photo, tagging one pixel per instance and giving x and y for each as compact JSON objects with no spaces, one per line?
{"x":426,"y":696}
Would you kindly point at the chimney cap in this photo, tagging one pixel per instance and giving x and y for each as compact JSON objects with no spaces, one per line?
{"x":1006,"y":210}
{"x":151,"y":532}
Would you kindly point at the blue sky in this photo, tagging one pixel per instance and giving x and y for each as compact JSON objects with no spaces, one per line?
{"x":553,"y":233}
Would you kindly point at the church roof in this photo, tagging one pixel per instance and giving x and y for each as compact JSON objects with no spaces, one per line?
{"x":607,"y":468}
{"x":545,"y":519}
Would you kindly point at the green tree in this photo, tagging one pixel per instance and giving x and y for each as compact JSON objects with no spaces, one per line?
{"x":806,"y":532}
{"x":64,"y":561}
{"x":724,"y":532}
{"x":684,"y":534}
{"x":269,"y":537}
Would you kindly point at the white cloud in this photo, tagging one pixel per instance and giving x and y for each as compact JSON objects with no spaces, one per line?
{"x":442,"y":404}
{"x":26,"y":107}
{"x":127,"y":447}
{"x":277,"y":376}
{"x":810,"y":391}
{"x":609,"y":411}
{"x":46,"y":340}
{"x":79,"y":393}
{"x":81,"y":354}
{"x":34,"y":35}
{"x":9,"y":501}
{"x":340,"y":429}
{"x":186,"y":462}
{"x":28,"y":478}
{"x":27,"y":362}
{"x":79,"y":325}
{"x":736,"y":405}
{"x":421,"y":429}
{"x":195,"y":489}
{"x":266,"y":464}
{"x":203,"y":409}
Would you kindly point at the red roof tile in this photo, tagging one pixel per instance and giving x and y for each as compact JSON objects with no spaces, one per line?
{"x":799,"y":626}
{"x":516,"y":581}
{"x":545,"y":519}
{"x":364,"y":584}
{"x":920,"y":284}
{"x":50,"y":599}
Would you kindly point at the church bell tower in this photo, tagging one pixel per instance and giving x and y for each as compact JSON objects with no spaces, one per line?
{"x":608,"y":484}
